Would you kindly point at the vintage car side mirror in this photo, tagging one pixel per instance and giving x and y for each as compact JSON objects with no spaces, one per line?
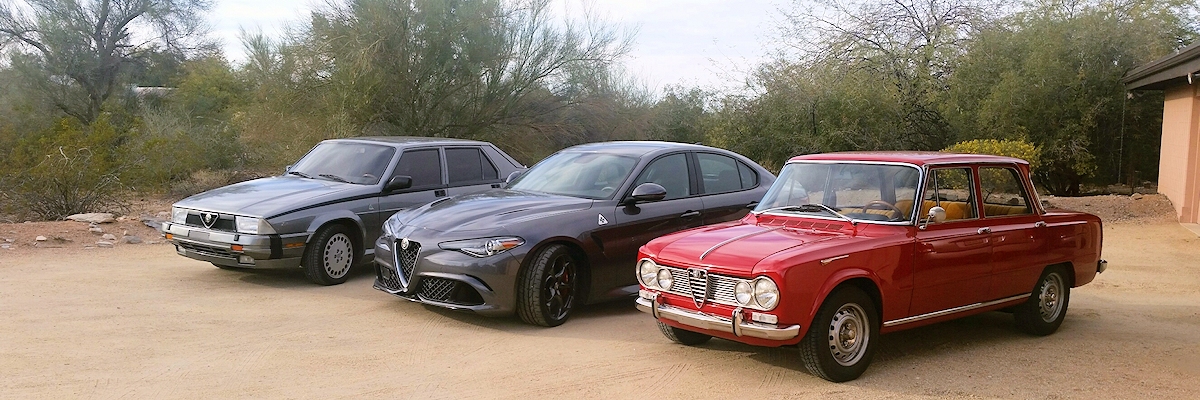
{"x":646,"y":192}
{"x":512,"y":176}
{"x":937,"y":215}
{"x":398,"y":182}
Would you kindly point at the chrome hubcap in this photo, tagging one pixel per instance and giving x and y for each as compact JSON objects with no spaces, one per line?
{"x":849,"y":334}
{"x":339,"y":255}
{"x":1049,"y":305}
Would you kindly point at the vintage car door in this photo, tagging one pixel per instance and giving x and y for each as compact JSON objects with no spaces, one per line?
{"x":724,"y":182}
{"x":424,"y":165}
{"x":1018,"y":234}
{"x":632,"y":226}
{"x":468,"y":170}
{"x":952,"y":265}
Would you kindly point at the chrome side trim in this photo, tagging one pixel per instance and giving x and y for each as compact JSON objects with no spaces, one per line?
{"x":832,"y":259}
{"x":736,"y":238}
{"x":954,"y":310}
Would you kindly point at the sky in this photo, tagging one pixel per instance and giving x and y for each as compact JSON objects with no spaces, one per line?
{"x":709,"y":43}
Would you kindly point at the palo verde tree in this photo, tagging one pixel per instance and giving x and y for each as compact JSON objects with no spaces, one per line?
{"x":77,"y":50}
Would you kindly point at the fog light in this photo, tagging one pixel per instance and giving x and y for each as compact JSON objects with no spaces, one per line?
{"x":246,"y":260}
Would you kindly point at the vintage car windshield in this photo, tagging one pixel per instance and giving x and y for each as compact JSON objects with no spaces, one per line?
{"x":863,"y":192}
{"x":577,"y":174}
{"x":358,"y":163}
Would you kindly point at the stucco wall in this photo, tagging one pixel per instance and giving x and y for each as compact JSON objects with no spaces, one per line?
{"x":1177,"y":174}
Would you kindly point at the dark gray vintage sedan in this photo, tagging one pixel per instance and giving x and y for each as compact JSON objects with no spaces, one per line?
{"x":565,"y":232}
{"x":321,"y":212}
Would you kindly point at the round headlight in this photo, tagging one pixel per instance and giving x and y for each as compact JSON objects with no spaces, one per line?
{"x":664,"y":279}
{"x":743,"y":293}
{"x":647,"y":272}
{"x":766,"y":293}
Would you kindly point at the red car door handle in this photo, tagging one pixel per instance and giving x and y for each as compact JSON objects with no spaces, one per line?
{"x":984,"y":230}
{"x":690,"y":214}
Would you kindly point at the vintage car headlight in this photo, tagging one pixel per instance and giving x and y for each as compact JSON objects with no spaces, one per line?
{"x":743,"y":293}
{"x":483,"y":247}
{"x":766,"y":293}
{"x":648,"y":272}
{"x":253,"y":226}
{"x":179,"y":215}
{"x":664,"y":279}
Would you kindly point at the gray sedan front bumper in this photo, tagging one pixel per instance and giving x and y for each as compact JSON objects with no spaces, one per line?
{"x":236,"y":250}
{"x":447,"y":278}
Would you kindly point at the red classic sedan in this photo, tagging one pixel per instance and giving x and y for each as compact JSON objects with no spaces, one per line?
{"x":847,"y":246}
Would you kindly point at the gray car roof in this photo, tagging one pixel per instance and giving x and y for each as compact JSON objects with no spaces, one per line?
{"x":638,"y":148}
{"x":400,"y":141}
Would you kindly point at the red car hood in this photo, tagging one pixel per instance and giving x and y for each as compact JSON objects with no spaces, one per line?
{"x":738,"y":246}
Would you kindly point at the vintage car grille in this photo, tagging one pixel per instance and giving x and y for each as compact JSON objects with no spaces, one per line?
{"x":207,"y":250}
{"x":223,"y":223}
{"x":406,"y":259}
{"x":714,"y":287}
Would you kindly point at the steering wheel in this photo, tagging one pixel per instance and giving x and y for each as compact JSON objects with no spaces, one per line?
{"x":883,"y":205}
{"x":607,"y":190}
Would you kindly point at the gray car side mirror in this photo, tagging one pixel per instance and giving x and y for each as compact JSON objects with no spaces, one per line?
{"x":647,"y":192}
{"x":398,"y":182}
{"x":512,"y":176}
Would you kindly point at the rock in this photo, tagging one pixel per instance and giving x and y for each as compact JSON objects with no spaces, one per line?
{"x":96,"y":218}
{"x":40,"y":238}
{"x":131,"y":239}
{"x":6,"y":246}
{"x":1136,"y":196}
{"x":122,"y":218}
{"x":9,"y":240}
{"x":95,"y":230}
{"x":163,"y":215}
{"x":153,"y":222}
{"x":109,"y":237}
{"x":104,"y":244}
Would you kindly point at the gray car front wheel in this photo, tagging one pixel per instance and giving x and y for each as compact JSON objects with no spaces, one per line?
{"x":329,"y":256}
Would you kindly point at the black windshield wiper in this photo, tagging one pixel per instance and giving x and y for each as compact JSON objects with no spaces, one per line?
{"x":301,"y":174}
{"x":334,"y":178}
{"x":811,"y":207}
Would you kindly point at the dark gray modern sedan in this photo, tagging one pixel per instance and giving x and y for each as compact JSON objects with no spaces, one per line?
{"x":329,"y":204}
{"x":565,"y":232}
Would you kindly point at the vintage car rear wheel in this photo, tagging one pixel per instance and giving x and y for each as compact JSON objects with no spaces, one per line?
{"x":328,"y":258}
{"x":838,"y":345}
{"x":1046,"y":308}
{"x":682,"y":336}
{"x":547,"y":287}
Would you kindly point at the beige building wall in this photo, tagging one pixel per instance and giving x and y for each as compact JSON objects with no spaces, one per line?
{"x":1178,"y":177}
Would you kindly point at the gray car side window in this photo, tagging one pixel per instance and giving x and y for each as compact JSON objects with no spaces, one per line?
{"x":670,"y":172}
{"x":424,"y":166}
{"x":465,"y":165}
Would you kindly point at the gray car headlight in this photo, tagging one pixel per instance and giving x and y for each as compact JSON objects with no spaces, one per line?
{"x":483,"y":247}
{"x":766,"y":293}
{"x":179,"y":215}
{"x":648,"y":272}
{"x":253,"y":226}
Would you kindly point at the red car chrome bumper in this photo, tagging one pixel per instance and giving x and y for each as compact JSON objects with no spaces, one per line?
{"x":735,"y":324}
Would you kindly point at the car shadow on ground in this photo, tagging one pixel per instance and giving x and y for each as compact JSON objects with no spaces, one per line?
{"x":581,"y":321}
{"x":294,"y":277}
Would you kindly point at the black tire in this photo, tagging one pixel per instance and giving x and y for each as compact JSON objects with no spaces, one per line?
{"x":839,"y":345}
{"x":330,"y":255}
{"x":1046,"y":307}
{"x":229,"y":268}
{"x":547,"y":287}
{"x":681,"y":336}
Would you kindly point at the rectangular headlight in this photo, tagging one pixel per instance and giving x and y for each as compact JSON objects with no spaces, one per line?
{"x":178,"y":215}
{"x":253,"y":226}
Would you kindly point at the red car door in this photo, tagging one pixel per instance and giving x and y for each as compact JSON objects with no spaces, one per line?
{"x":952,"y":265}
{"x":1018,"y":233}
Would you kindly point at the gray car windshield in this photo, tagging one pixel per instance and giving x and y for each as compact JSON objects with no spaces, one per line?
{"x":863,"y":192}
{"x":358,"y":163}
{"x":588,"y":175}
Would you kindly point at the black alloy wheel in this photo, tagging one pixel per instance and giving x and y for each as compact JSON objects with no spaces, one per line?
{"x":548,"y":286}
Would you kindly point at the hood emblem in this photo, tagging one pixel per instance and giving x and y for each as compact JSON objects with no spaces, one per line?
{"x":698,"y":283}
{"x":404,"y":244}
{"x":601,"y":220}
{"x":208,"y":218}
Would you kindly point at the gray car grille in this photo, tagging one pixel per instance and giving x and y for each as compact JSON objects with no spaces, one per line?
{"x":389,"y":279}
{"x":207,"y":250}
{"x":406,"y":259}
{"x":714,"y":287}
{"x":438,"y":289}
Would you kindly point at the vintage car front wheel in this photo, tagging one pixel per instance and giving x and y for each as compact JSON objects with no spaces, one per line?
{"x":682,"y":336}
{"x":546,"y":290}
{"x":1046,"y":308}
{"x":329,"y":256}
{"x":838,"y":346}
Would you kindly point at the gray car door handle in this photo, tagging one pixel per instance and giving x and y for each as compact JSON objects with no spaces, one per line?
{"x":690,"y":214}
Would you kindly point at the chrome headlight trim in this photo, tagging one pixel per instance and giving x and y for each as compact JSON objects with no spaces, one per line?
{"x":664,"y":280}
{"x":648,"y":273}
{"x":766,"y":293}
{"x":743,"y":293}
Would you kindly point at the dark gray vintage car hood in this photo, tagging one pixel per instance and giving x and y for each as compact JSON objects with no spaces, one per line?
{"x":492,"y":209}
{"x":267,"y":197}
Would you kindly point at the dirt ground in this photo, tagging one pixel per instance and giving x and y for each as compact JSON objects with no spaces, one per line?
{"x":138,"y":321}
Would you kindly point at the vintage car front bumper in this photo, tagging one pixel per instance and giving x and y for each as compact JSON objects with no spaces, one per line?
{"x":446,"y":278}
{"x":234,"y":249}
{"x":736,"y":324}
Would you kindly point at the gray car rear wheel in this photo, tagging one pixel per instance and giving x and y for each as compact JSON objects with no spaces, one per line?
{"x":330,"y":255}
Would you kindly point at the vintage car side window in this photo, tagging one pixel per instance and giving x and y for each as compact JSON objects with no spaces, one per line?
{"x":468,"y":165}
{"x":671,"y":172}
{"x":1003,"y":193}
{"x":720,"y":173}
{"x":952,"y":190}
{"x":424,"y":166}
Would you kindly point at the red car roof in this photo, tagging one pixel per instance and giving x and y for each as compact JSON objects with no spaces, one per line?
{"x":912,"y":157}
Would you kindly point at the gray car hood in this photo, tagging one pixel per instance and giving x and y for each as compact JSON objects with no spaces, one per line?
{"x":267,"y":197}
{"x":493,"y":209}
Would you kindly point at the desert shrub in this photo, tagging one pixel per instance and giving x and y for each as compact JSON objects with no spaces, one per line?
{"x":1018,"y":148}
{"x":68,"y":169}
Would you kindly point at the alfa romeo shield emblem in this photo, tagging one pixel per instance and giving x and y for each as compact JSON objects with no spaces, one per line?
{"x":698,"y":282}
{"x":208,"y":219}
{"x":404,"y":244}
